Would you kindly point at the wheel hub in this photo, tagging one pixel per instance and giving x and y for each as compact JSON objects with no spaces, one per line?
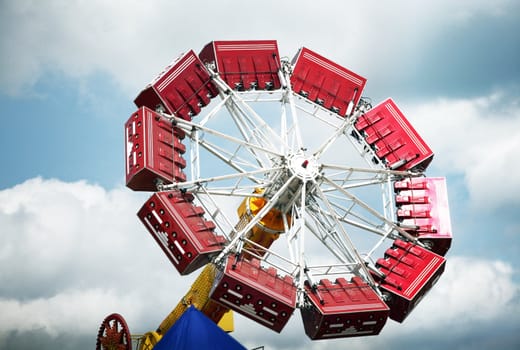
{"x":304,"y":167}
{"x":300,"y":171}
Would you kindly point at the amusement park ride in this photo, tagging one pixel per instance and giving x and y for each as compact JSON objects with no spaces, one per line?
{"x":286,"y":189}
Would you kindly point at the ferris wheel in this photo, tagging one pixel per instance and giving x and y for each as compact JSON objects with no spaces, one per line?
{"x":288,"y":189}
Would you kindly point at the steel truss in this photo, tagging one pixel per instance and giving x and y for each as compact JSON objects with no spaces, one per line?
{"x":239,"y":146}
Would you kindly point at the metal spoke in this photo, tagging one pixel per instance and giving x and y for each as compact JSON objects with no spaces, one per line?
{"x":375,"y":214}
{"x":200,"y":182}
{"x":356,"y":258}
{"x":250,"y":124}
{"x":265,"y":209}
{"x":188,"y":126}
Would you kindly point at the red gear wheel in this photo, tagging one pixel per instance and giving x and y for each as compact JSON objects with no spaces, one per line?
{"x":114,"y":334}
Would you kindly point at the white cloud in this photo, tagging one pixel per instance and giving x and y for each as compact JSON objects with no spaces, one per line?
{"x":469,"y":291}
{"x":68,"y":311}
{"x":478,"y":138}
{"x":128,"y":40}
{"x":74,"y":252}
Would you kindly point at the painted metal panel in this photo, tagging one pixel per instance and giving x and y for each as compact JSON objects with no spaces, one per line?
{"x":181,"y":89}
{"x":325,"y":82}
{"x":256,"y":292}
{"x":423,"y":210}
{"x":245,"y":65}
{"x":180,"y":229}
{"x":409,"y":272}
{"x":396,"y":143}
{"x":154,"y":151}
{"x":343,"y":309}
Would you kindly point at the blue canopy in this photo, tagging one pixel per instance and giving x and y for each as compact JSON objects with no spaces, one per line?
{"x":195,"y":331}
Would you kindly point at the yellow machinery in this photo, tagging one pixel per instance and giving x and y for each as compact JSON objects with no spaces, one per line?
{"x":114,"y":333}
{"x":268,"y":228}
{"x":198,"y":296}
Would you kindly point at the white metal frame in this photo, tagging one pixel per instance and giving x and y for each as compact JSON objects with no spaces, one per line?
{"x":318,"y":196}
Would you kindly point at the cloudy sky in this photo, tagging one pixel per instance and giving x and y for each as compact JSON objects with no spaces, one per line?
{"x":71,"y":248}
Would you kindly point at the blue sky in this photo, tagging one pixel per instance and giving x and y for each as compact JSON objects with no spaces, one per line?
{"x":71,"y":248}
